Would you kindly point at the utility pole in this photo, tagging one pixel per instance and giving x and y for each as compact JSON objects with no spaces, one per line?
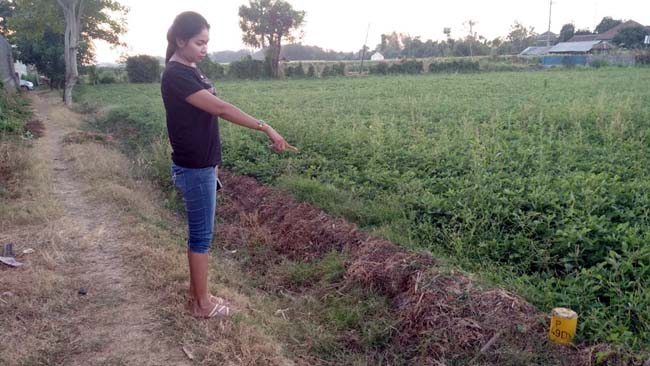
{"x":363,"y":51}
{"x":550,"y":12}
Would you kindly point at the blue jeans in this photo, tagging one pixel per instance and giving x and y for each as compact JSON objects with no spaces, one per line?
{"x":199,"y":190}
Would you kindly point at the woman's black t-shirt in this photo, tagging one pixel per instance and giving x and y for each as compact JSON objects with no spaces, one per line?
{"x":193,"y":133}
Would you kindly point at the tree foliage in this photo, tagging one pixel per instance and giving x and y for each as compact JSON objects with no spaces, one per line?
{"x":143,"y":69}
{"x":266,"y":23}
{"x":521,"y":36}
{"x":211,"y":69}
{"x":567,"y":32}
{"x":583,"y":32}
{"x":391,"y":44}
{"x":6,"y":12}
{"x":632,"y":37}
{"x":37,"y":29}
{"x":46,"y":53}
{"x":246,"y":68}
{"x":606,"y":24}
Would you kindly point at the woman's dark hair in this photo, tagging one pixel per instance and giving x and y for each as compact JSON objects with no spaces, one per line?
{"x":186,"y":25}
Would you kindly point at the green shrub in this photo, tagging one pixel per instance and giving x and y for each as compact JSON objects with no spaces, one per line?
{"x":13,"y":113}
{"x":299,"y":71}
{"x":211,"y":69}
{"x":107,"y":77}
{"x":91,"y":73}
{"x":405,"y":66}
{"x":295,"y":71}
{"x":311,"y":71}
{"x":597,"y":64}
{"x":454,"y":66}
{"x":411,"y":67}
{"x":379,"y":69}
{"x":326,"y":72}
{"x":143,"y":69}
{"x":246,"y":68}
{"x":338,"y":69}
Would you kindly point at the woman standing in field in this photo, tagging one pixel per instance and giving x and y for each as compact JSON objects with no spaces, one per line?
{"x":192,"y":123}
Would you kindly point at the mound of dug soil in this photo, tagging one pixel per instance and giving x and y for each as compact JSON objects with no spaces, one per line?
{"x":443,"y":315}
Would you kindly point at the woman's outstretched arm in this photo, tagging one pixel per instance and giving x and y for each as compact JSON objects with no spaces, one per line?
{"x":217,"y":107}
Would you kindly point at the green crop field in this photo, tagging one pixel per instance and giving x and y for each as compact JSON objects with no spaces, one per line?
{"x":538,"y":181}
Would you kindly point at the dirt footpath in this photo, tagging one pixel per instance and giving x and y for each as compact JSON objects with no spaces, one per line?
{"x":100,"y":313}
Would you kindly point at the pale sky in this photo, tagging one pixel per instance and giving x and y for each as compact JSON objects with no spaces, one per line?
{"x":341,"y":24}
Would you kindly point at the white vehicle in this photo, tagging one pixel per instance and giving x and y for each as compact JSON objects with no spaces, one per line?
{"x":26,"y":85}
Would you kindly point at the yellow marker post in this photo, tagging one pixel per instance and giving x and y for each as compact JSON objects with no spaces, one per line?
{"x":563,"y":325}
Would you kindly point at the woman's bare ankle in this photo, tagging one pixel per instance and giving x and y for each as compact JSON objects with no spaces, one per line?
{"x":204,"y":302}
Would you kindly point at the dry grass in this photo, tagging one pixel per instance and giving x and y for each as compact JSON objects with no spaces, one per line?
{"x":33,"y":297}
{"x":38,"y":297}
{"x":24,"y":186}
{"x":159,"y":261}
{"x":44,"y":319}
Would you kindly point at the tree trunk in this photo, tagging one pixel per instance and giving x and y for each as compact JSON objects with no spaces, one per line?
{"x":275,"y":60}
{"x":72,"y":10}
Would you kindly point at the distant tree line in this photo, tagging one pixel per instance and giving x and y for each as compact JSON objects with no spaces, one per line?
{"x":296,"y":51}
{"x":397,"y":45}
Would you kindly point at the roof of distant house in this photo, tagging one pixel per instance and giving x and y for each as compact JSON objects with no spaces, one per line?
{"x":535,"y":51}
{"x":580,"y":47}
{"x":583,"y":38}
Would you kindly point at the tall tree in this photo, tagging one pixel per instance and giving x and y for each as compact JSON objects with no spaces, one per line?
{"x":6,"y":11}
{"x":567,"y":32}
{"x":266,"y":23}
{"x":72,"y":11}
{"x":521,"y":37}
{"x":39,"y":27}
{"x":606,"y":24}
{"x":391,"y":45}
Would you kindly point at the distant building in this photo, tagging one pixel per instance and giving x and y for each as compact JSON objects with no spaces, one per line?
{"x":583,"y":38}
{"x":546,"y":39}
{"x":584,"y":47}
{"x":607,"y":36}
{"x":20,"y":68}
{"x":535,"y":51}
{"x":377,"y":57}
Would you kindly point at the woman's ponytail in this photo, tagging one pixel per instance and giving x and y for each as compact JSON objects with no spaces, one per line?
{"x":171,"y":46}
{"x":186,"y":25}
